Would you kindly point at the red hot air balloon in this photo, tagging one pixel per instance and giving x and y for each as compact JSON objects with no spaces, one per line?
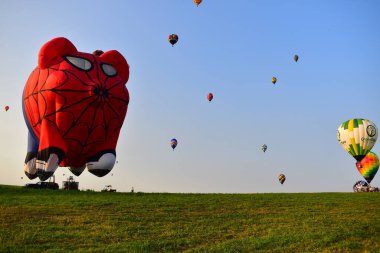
{"x":6,"y":108}
{"x":210,"y":96}
{"x":74,"y":105}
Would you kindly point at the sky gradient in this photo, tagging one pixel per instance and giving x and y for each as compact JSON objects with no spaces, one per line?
{"x":229,"y":48}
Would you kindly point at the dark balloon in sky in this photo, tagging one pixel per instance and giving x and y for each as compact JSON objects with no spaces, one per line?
{"x":173,"y":143}
{"x":173,"y":39}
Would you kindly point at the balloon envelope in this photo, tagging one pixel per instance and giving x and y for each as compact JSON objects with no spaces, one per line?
{"x":357,"y":137}
{"x":197,"y":2}
{"x":173,"y":38}
{"x":264,"y":148}
{"x":173,"y":143}
{"x":368,"y":166}
{"x":74,"y":121}
{"x":210,"y":96}
{"x":6,"y":108}
{"x":281,"y":178}
{"x":296,"y":58}
{"x":274,"y":80}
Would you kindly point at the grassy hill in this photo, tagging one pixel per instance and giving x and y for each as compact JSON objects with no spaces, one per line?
{"x":63,"y":221}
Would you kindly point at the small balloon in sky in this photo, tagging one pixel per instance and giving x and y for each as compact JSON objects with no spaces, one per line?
{"x":197,"y":2}
{"x":296,"y":58}
{"x":173,"y":143}
{"x":210,"y":96}
{"x":6,"y":108}
{"x":264,"y":148}
{"x":274,"y":80}
{"x":173,"y":39}
{"x":281,"y":178}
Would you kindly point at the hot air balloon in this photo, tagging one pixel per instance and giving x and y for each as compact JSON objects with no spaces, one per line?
{"x":6,"y":108}
{"x":74,"y":121}
{"x":197,"y":2}
{"x":98,"y":52}
{"x":368,"y":166}
{"x":210,"y":96}
{"x":296,"y":58}
{"x":264,"y":148}
{"x":281,"y":178}
{"x":173,"y":143}
{"x":357,"y":137}
{"x":274,"y":80}
{"x":173,"y":38}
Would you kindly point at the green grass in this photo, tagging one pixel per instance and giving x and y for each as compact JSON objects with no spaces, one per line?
{"x":65,"y":221}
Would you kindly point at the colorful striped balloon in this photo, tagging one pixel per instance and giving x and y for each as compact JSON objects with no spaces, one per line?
{"x":369,"y":166}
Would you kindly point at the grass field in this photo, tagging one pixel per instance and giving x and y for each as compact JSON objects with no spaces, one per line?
{"x":63,"y":221}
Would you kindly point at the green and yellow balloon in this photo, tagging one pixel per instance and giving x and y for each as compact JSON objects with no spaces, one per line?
{"x":357,"y":136}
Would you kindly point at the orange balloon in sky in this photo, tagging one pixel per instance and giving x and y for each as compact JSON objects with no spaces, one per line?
{"x":197,"y":2}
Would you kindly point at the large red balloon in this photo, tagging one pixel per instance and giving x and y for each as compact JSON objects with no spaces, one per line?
{"x":74,"y":105}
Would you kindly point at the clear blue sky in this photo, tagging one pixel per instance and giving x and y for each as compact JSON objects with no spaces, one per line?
{"x":229,"y":48}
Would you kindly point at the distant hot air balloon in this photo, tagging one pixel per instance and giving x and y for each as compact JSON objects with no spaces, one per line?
{"x":357,"y":137}
{"x":197,"y":2}
{"x":295,"y":58}
{"x":274,"y":80}
{"x":210,"y":96}
{"x":173,"y":38}
{"x":281,"y":178}
{"x":264,"y":148}
{"x":173,"y":143}
{"x":98,"y":52}
{"x":368,"y":166}
{"x":6,"y":108}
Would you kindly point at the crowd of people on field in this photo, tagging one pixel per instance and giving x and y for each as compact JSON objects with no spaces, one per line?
{"x":362,"y":186}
